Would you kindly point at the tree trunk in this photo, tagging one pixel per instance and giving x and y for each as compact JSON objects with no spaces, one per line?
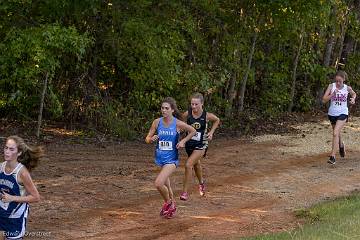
{"x":326,"y":63}
{"x":328,"y":50}
{"x":296,"y":61}
{"x":355,"y":47}
{"x":349,"y":41}
{"x":246,"y":75}
{"x":330,"y":41}
{"x":327,"y":57}
{"x":337,"y":58}
{"x":231,"y":93}
{"x":41,"y":108}
{"x":349,"y":44}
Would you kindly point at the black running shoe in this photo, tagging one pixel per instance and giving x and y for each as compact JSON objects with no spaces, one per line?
{"x":342,"y":150}
{"x":332,"y":160}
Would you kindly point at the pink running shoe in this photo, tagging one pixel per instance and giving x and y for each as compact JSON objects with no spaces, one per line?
{"x":202,"y":189}
{"x":165,"y":208}
{"x":171,"y":211}
{"x":184,"y":196}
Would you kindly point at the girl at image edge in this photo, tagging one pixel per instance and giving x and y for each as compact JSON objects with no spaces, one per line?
{"x":17,"y":188}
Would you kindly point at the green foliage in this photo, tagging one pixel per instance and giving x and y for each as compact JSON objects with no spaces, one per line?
{"x":115,"y":119}
{"x":353,"y":70}
{"x":54,"y":105}
{"x":153,"y":65}
{"x":29,"y":54}
{"x":338,"y":219}
{"x":354,"y":25}
{"x":276,"y":96}
{"x":306,"y":102}
{"x":110,"y":62}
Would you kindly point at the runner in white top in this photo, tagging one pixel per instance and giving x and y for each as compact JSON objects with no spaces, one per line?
{"x":337,"y":93}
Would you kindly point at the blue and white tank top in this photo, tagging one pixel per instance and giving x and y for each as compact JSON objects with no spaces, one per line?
{"x":9,"y":184}
{"x":166,"y":150}
{"x":338,"y":103}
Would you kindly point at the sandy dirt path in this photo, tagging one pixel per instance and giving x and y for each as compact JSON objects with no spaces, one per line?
{"x":254,"y":185}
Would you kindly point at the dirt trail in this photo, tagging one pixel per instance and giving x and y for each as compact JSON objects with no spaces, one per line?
{"x":254,"y":185}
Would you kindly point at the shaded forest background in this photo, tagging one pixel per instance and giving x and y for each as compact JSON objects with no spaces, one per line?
{"x":106,"y":65}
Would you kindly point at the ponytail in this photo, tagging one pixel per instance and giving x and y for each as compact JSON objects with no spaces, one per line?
{"x":29,"y":156}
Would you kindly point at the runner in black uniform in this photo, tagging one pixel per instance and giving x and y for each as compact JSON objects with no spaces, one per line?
{"x":199,"y":141}
{"x":197,"y":146}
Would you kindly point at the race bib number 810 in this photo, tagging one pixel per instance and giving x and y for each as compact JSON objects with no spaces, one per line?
{"x":165,"y":145}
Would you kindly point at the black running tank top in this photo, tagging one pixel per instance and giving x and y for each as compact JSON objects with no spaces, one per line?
{"x":200,"y":125}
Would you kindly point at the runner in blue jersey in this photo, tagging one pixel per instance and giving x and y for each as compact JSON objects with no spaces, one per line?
{"x":197,"y":146}
{"x":165,"y":132}
{"x":337,"y":93}
{"x":17,"y":189}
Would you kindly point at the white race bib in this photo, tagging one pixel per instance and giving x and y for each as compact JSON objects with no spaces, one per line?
{"x":165,"y":145}
{"x":197,"y":136}
{"x":4,"y":205}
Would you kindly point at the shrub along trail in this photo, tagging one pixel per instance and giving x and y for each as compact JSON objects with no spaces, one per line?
{"x":254,"y":185}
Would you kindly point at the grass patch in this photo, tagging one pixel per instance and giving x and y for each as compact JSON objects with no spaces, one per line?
{"x":333,"y":220}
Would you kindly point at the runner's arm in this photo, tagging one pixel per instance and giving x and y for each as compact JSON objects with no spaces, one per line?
{"x":352,"y":94}
{"x":216,"y":121}
{"x":151,"y":137}
{"x":189,"y":129}
{"x":32,"y":193}
{"x":327,"y":95}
